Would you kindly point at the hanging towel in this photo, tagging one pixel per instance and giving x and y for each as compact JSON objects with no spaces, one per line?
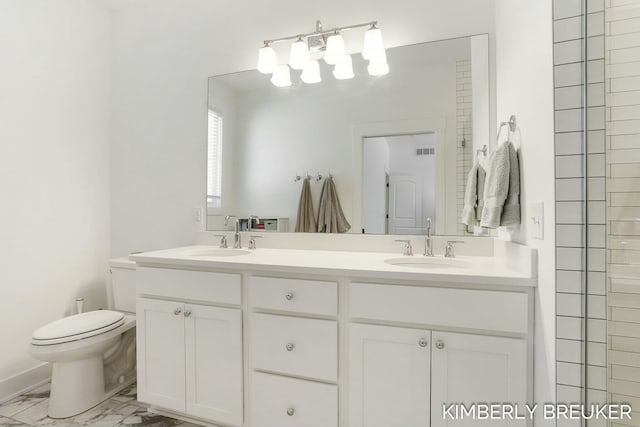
{"x":331,"y":219}
{"x":502,"y":188}
{"x":474,"y":196}
{"x":306,"y":222}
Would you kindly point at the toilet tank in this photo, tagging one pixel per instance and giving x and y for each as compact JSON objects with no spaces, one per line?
{"x":122,"y":285}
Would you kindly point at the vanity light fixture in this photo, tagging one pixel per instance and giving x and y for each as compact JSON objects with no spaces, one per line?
{"x":329,"y":45}
{"x":267,"y":62}
{"x":344,"y":68}
{"x":281,"y":76}
{"x":311,"y":72}
{"x":373,"y":47}
{"x":299,"y":54}
{"x":378,"y":65}
{"x":334,"y":52}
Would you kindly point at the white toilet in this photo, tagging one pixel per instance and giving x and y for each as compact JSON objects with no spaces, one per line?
{"x":93,"y":353}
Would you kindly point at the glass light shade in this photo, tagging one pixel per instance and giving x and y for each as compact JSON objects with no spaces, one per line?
{"x":335,"y":49}
{"x":299,"y":55}
{"x":311,"y":72}
{"x":373,"y":46}
{"x":344,"y":68}
{"x":282,"y":76}
{"x":378,"y":67}
{"x":267,"y":62}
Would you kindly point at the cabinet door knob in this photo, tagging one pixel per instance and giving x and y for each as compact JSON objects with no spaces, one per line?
{"x":439,"y":344}
{"x":177,"y":311}
{"x":290,"y":346}
{"x":289,"y":296}
{"x":291,"y":411}
{"x":187,"y":313}
{"x":422,"y":342}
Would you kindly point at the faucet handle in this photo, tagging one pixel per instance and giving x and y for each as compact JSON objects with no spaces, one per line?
{"x":448,"y":250}
{"x":252,"y":241}
{"x":408,"y":249}
{"x":223,"y":240}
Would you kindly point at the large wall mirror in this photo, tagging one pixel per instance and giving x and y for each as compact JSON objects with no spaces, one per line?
{"x":397,"y":147}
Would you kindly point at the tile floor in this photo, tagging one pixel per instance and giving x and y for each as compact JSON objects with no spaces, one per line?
{"x":122,"y":410}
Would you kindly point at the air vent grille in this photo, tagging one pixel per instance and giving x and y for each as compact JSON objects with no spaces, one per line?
{"x":426,"y":151}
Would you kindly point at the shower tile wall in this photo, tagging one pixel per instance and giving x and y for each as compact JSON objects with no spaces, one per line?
{"x":580,"y":296}
{"x":622,"y":28}
{"x":464,"y":131}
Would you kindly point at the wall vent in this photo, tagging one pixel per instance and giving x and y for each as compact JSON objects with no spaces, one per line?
{"x":426,"y":151}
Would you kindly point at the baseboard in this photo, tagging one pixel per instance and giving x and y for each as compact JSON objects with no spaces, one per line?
{"x":24,"y":381}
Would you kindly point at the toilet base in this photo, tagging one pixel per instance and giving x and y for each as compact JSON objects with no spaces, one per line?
{"x":76,"y":387}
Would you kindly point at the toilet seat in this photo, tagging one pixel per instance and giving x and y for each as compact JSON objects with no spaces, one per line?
{"x":78,"y":327}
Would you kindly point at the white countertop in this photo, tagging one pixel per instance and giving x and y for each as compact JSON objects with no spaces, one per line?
{"x":481,"y":270}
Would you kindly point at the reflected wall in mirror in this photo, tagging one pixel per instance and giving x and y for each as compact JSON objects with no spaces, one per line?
{"x":399,"y":146}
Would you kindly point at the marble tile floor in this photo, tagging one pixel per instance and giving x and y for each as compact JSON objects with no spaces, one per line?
{"x":122,"y":410}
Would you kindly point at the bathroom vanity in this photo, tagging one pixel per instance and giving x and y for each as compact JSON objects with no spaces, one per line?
{"x":281,"y":337}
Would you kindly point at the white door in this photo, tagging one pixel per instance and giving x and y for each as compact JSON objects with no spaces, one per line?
{"x":477,"y":369}
{"x":160,"y":347}
{"x":405,"y":204}
{"x":389,"y":377}
{"x":214,"y":381}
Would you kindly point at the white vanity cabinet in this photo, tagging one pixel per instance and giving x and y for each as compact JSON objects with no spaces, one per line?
{"x":190,"y":354}
{"x":405,"y":375}
{"x":246,"y":346}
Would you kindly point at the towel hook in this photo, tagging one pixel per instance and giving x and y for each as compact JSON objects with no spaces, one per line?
{"x":297,"y":178}
{"x":318,"y":177}
{"x":482,"y":150}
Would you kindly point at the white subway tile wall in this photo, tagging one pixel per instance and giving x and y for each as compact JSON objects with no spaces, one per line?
{"x":621,"y":299}
{"x":581,"y":293}
{"x":464,"y":132}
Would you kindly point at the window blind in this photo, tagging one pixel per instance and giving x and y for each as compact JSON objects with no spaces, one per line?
{"x":214,"y":160}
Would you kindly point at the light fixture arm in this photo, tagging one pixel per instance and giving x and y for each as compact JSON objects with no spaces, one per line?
{"x":321,"y":32}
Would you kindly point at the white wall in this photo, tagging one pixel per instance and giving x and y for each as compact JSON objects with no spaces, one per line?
{"x":525,"y":88}
{"x":164,"y":50}
{"x":54,"y":168}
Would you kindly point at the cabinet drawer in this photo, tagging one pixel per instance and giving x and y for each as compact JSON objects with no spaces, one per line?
{"x":463,"y":308}
{"x":294,"y":346}
{"x":293,"y":295}
{"x":190,"y":285}
{"x":287,"y":402}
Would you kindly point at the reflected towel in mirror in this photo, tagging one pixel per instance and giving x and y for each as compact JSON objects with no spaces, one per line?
{"x":331,"y":219}
{"x":306,"y":222}
{"x":474,"y":196}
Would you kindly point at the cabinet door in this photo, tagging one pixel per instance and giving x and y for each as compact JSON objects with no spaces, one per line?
{"x":160,"y":347}
{"x":214,"y":364}
{"x":477,"y":369}
{"x":389,"y":377}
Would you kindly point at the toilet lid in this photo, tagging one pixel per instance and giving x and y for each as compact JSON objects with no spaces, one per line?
{"x":79,"y":326}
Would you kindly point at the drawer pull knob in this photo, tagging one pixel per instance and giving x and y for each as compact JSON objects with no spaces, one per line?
{"x":289,"y":296}
{"x":290,"y":346}
{"x":177,"y":311}
{"x":439,"y":344}
{"x":187,"y":313}
{"x":422,"y":342}
{"x":291,"y":411}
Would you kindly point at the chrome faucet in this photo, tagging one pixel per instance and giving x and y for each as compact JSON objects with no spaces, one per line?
{"x":237,"y":243}
{"x":408,"y":250}
{"x":428,"y":240}
{"x":448,"y":250}
{"x":251,"y":218}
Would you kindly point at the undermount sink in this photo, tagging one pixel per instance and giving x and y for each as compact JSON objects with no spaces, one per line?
{"x":217,"y":252}
{"x":428,"y":262}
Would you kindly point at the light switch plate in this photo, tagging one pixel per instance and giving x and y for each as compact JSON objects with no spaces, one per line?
{"x":198,"y":218}
{"x":536,"y":220}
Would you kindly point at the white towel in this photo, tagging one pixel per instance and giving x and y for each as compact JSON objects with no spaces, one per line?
{"x":474,"y":196}
{"x":502,"y":188}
